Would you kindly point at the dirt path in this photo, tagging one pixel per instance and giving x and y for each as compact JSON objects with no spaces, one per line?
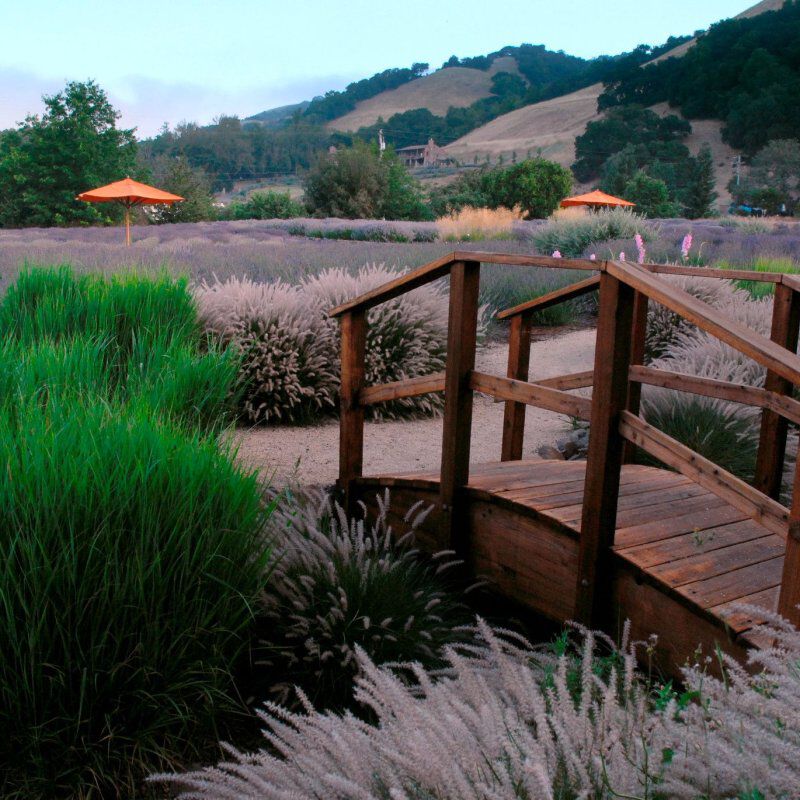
{"x":310,"y":454}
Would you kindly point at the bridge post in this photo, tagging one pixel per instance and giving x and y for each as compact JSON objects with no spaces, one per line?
{"x":638,"y":338}
{"x":789,"y":596}
{"x":462,"y":329}
{"x":774,"y":427}
{"x":601,"y":490}
{"x":519,"y":353}
{"x":351,"y":419}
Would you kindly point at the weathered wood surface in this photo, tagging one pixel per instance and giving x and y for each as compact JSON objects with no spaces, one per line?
{"x":679,"y":550}
{"x":462,"y":331}
{"x":531,"y":394}
{"x":519,"y":354}
{"x":774,"y":427}
{"x":410,"y":387}
{"x":768,"y":512}
{"x":612,"y":359}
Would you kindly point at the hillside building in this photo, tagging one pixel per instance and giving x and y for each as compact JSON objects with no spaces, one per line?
{"x":424,"y":155}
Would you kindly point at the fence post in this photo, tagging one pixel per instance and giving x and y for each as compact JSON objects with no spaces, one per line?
{"x":638,"y":337}
{"x":772,"y":440}
{"x":351,"y":424}
{"x":519,"y":353}
{"x":601,"y":489}
{"x":461,"y":340}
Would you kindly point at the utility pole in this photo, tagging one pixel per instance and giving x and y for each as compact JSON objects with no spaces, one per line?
{"x":737,"y":168}
{"x":381,"y":142}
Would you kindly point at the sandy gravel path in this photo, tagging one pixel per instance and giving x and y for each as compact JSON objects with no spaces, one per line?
{"x":310,"y":454}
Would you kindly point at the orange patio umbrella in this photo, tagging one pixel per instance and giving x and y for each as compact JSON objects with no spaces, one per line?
{"x":129,"y":193}
{"x":595,"y":199}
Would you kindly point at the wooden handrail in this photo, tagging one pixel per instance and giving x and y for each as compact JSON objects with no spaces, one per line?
{"x":441,"y":267}
{"x":721,"y":390}
{"x":553,"y":298}
{"x":770,"y":513}
{"x":740,"y":337}
{"x":575,"y":380}
{"x":711,"y":272}
{"x":531,"y":394}
{"x":396,"y":390}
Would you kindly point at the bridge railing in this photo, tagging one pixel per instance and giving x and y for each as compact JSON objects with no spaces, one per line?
{"x":616,"y":428}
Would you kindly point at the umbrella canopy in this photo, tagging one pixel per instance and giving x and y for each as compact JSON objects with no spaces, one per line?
{"x":596,"y":199}
{"x":129,"y":193}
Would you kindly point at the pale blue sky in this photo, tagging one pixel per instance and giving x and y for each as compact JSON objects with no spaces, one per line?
{"x":175,"y":60}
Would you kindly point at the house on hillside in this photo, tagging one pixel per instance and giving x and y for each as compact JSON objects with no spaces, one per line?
{"x":424,"y":155}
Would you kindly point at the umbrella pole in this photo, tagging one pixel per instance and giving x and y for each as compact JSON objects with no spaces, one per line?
{"x":127,"y":225}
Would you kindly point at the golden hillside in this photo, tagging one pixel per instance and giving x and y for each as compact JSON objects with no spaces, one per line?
{"x":552,"y":126}
{"x":453,"y":86}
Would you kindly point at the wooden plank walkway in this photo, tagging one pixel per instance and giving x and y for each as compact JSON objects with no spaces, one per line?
{"x":685,"y":542}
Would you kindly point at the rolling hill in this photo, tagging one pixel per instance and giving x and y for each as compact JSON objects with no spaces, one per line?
{"x":552,"y":126}
{"x":450,"y":86}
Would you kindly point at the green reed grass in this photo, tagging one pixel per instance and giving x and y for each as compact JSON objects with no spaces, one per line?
{"x":131,"y":557}
{"x":759,"y":290}
{"x":132,"y":550}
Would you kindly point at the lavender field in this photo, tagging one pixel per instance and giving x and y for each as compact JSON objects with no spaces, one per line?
{"x":267,"y":250}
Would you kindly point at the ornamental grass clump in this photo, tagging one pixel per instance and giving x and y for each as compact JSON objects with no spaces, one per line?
{"x":572,"y":235}
{"x":289,"y":368}
{"x":406,"y":336}
{"x":131,"y":547}
{"x":341,"y":586}
{"x":506,"y":721}
{"x":131,"y":558}
{"x":724,"y":432}
{"x":289,"y":347}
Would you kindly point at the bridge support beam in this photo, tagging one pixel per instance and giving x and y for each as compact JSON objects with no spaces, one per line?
{"x":519,"y":354}
{"x":601,"y":491}
{"x":462,"y":328}
{"x":351,"y":412}
{"x":774,"y":428}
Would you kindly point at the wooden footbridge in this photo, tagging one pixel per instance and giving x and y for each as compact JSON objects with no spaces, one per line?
{"x":676,"y":550}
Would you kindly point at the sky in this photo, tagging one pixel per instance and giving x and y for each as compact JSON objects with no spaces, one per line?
{"x":177,"y":60}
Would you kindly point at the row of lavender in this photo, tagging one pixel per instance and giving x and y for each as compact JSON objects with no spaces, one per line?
{"x":266,"y":250}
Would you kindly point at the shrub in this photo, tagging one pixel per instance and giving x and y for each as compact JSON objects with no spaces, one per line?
{"x":506,"y":723}
{"x":341,"y":586}
{"x":406,"y":337}
{"x":358,"y":182}
{"x":535,"y":185}
{"x":288,"y":354}
{"x":665,"y":328}
{"x":290,"y":347}
{"x":127,"y":339}
{"x":267,"y":205}
{"x":571,"y":236}
{"x":56,"y":303}
{"x":131,"y":546}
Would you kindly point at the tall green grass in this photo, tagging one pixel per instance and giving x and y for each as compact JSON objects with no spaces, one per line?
{"x":132,"y":550}
{"x":759,"y":290}
{"x":131,"y":557}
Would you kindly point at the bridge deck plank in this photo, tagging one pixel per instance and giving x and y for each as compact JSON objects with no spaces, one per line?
{"x":679,"y":537}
